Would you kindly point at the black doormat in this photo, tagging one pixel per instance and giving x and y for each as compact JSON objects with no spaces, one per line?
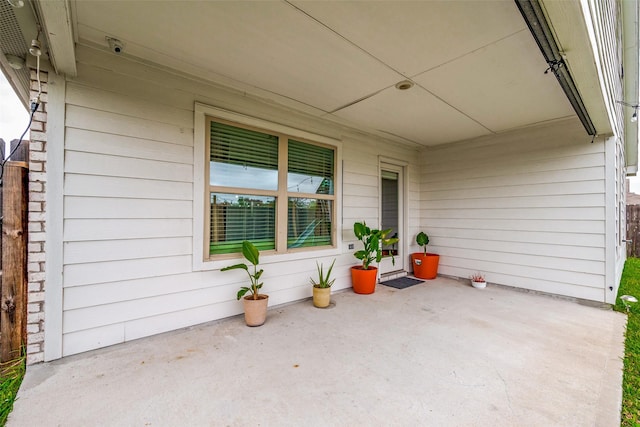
{"x":402,"y":282}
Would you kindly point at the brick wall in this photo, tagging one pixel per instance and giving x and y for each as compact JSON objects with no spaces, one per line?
{"x":37,"y":226}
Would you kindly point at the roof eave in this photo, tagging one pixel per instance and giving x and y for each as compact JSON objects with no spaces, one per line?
{"x":56,"y":23}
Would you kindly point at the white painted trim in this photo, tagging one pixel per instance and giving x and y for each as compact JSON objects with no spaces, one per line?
{"x":199,"y":156}
{"x":55,"y":16}
{"x":260,"y":123}
{"x":54,"y":218}
{"x":587,"y":8}
{"x":610,"y":219}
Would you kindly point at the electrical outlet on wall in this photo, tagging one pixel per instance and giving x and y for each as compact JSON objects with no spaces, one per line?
{"x":351,"y":246}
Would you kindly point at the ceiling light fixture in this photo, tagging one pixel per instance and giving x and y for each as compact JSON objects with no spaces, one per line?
{"x":15,"y":62}
{"x":404,"y":85}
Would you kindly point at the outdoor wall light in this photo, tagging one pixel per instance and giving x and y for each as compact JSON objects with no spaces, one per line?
{"x":628,"y":299}
{"x":15,"y":62}
{"x":16,"y":3}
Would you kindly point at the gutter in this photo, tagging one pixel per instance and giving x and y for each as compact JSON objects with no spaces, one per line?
{"x":534,"y":17}
{"x":631,"y":61}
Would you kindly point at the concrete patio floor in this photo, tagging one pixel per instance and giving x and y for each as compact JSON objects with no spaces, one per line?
{"x":436,"y":354}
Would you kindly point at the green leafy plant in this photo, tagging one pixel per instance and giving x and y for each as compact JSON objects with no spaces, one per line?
{"x":372,"y":240}
{"x":251,"y":253}
{"x":422,"y":240}
{"x":323,"y":281}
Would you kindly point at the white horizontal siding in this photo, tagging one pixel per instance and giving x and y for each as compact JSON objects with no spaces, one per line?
{"x":525,"y":208}
{"x":109,"y":165}
{"x":115,"y":250}
{"x":128,"y":204}
{"x":118,"y":145}
{"x":120,"y":124}
{"x":108,"y":186}
{"x":107,"y":229}
{"x":114,"y":207}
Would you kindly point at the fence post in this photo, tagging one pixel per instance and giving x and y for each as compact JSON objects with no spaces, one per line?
{"x":13,"y":307}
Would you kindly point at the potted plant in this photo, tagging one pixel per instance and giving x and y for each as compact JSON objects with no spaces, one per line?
{"x":425,"y":265}
{"x":255,"y":304}
{"x":478,"y":281}
{"x":322,"y":286}
{"x":363,"y":277}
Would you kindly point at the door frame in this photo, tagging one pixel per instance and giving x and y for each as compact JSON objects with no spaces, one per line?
{"x":400,"y":167}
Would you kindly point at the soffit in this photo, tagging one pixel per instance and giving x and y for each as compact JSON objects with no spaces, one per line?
{"x":477,"y":68}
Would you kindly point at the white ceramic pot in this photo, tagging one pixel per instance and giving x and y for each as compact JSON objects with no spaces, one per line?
{"x":479,"y":285}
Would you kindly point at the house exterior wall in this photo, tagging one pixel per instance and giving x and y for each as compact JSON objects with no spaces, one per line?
{"x":526,"y":208}
{"x":605,"y":23}
{"x":128,"y":206}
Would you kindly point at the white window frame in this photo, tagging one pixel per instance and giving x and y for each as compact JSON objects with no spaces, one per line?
{"x":201,"y":259}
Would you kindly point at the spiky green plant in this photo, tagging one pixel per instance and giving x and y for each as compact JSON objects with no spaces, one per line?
{"x":323,"y":281}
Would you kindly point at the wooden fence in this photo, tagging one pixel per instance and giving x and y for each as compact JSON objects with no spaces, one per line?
{"x":633,"y":231}
{"x":14,"y":189}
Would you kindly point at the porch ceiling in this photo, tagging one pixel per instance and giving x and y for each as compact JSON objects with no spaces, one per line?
{"x":477,"y":70}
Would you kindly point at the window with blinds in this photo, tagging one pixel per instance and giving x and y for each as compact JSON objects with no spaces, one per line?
{"x":246,"y":201}
{"x":243,"y":158}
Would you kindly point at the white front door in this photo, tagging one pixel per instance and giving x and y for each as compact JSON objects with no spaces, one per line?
{"x":392,"y":215}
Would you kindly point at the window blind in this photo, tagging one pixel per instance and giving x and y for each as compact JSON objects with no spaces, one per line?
{"x":244,"y":147}
{"x":238,"y":217}
{"x":310,"y":168}
{"x":309,"y":222}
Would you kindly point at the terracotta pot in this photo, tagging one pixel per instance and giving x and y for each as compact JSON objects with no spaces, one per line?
{"x":364,"y":281}
{"x":425,"y":266}
{"x":321,"y":297}
{"x":255,"y":310}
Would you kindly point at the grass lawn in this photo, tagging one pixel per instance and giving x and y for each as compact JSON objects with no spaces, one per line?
{"x":11,"y":374}
{"x":630,"y":285}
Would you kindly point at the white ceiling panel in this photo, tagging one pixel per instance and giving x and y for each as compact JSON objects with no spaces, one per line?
{"x":476,"y":65}
{"x":415,"y":36}
{"x":270,"y":45}
{"x":412,"y":114}
{"x":499,"y":86}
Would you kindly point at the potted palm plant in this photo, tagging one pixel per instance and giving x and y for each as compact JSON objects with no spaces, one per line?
{"x":425,"y":265}
{"x":322,"y":286}
{"x":255,"y":304}
{"x":364,"y":277}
